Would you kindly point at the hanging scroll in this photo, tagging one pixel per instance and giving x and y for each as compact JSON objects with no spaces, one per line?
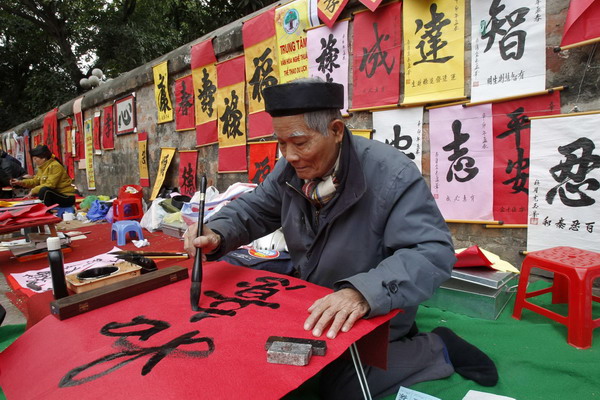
{"x":89,"y":153}
{"x":328,"y":55}
{"x":188,"y":163}
{"x":166,"y":156}
{"x":291,"y":21}
{"x":402,"y":129}
{"x":184,"y":104}
{"x":582,"y":24}
{"x":50,"y":130}
{"x":376,"y":65}
{"x":143,"y":159}
{"x":161,"y":92}
{"x":461,"y":161}
{"x":78,"y":132}
{"x":330,"y":10}
{"x":68,"y":149}
{"x":231,"y":112}
{"x":262,"y":69}
{"x":262,"y":160}
{"x":434,"y":47}
{"x":564,"y":195}
{"x":108,"y":129}
{"x":508,"y":42}
{"x":96,"y":130}
{"x":204,"y":77}
{"x":28,"y":164}
{"x":511,"y":153}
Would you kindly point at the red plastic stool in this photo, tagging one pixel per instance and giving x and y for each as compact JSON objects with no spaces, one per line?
{"x":574,"y":273}
{"x":127,"y":209}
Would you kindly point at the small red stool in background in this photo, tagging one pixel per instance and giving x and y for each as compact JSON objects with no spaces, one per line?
{"x":574,"y":273}
{"x":128,"y":204}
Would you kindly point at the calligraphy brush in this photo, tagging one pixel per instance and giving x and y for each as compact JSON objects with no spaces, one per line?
{"x":197,"y":269}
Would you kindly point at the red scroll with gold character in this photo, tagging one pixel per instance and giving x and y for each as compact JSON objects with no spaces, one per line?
{"x":97,"y":139}
{"x":184,"y":104}
{"x":262,"y":69}
{"x":262,"y":160}
{"x":188,"y":163}
{"x":204,"y":76}
{"x":231,"y":112}
{"x":511,"y":153}
{"x":377,"y":50}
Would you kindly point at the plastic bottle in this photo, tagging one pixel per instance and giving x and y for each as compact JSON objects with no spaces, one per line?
{"x":57,"y":269}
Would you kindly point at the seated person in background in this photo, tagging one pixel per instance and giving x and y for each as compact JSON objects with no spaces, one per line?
{"x":10,"y":168}
{"x":359,"y":218}
{"x":51,"y":182}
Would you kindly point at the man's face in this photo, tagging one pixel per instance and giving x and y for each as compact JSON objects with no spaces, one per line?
{"x":310,"y":153}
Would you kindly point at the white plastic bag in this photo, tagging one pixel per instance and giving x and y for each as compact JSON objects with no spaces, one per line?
{"x":154,"y":216}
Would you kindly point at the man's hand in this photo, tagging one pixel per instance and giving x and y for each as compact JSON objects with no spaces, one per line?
{"x":340,"y":309}
{"x":209,"y":241}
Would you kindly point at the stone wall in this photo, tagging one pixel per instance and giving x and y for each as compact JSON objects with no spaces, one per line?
{"x":576,"y":68}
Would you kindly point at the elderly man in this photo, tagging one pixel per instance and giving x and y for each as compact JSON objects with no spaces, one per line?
{"x":359,"y":218}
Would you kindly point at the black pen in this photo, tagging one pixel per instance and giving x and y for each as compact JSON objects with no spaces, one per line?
{"x":197,"y":269}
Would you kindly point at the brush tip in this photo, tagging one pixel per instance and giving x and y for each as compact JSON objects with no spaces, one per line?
{"x":195,"y":296}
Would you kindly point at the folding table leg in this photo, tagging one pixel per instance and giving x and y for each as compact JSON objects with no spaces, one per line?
{"x":362,"y":378}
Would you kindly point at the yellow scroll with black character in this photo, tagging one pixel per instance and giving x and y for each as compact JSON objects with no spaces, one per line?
{"x":166,"y":156}
{"x":161,"y":92}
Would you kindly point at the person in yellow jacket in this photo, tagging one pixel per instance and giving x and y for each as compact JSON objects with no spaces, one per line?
{"x":51,"y":182}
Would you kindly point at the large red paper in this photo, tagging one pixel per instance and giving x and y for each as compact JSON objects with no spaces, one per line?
{"x":376,"y":52}
{"x":262,"y":160}
{"x":371,"y":4}
{"x":188,"y":163}
{"x":108,"y":128}
{"x":207,"y":133}
{"x":511,"y":153}
{"x":202,"y":54}
{"x":185,"y":118}
{"x":233,"y":159}
{"x":153,"y":346}
{"x":260,"y":124}
{"x":583,"y":22}
{"x":50,"y":129}
{"x":472,"y":257}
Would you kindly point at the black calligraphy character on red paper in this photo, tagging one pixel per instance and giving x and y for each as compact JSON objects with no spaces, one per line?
{"x":510,"y":38}
{"x":163,"y":99}
{"x":375,"y":57}
{"x":252,"y":295}
{"x":262,"y":170}
{"x":518,"y":121}
{"x":328,"y":56}
{"x":330,"y":5}
{"x":460,"y":161}
{"x":130,"y":352}
{"x":263,"y":67}
{"x":108,"y":125}
{"x":206,"y":94}
{"x":185,"y":103}
{"x":398,"y":139}
{"x":187,"y":177}
{"x":232,"y":117}
{"x":571,"y":174}
{"x":432,"y":34}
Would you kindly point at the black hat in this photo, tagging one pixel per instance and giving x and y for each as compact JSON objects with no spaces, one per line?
{"x":302,"y":96}
{"x":41,"y":151}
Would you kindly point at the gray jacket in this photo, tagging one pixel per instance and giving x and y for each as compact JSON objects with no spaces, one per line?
{"x":382,"y":233}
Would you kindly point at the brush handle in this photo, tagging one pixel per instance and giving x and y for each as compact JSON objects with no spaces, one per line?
{"x":195,"y":290}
